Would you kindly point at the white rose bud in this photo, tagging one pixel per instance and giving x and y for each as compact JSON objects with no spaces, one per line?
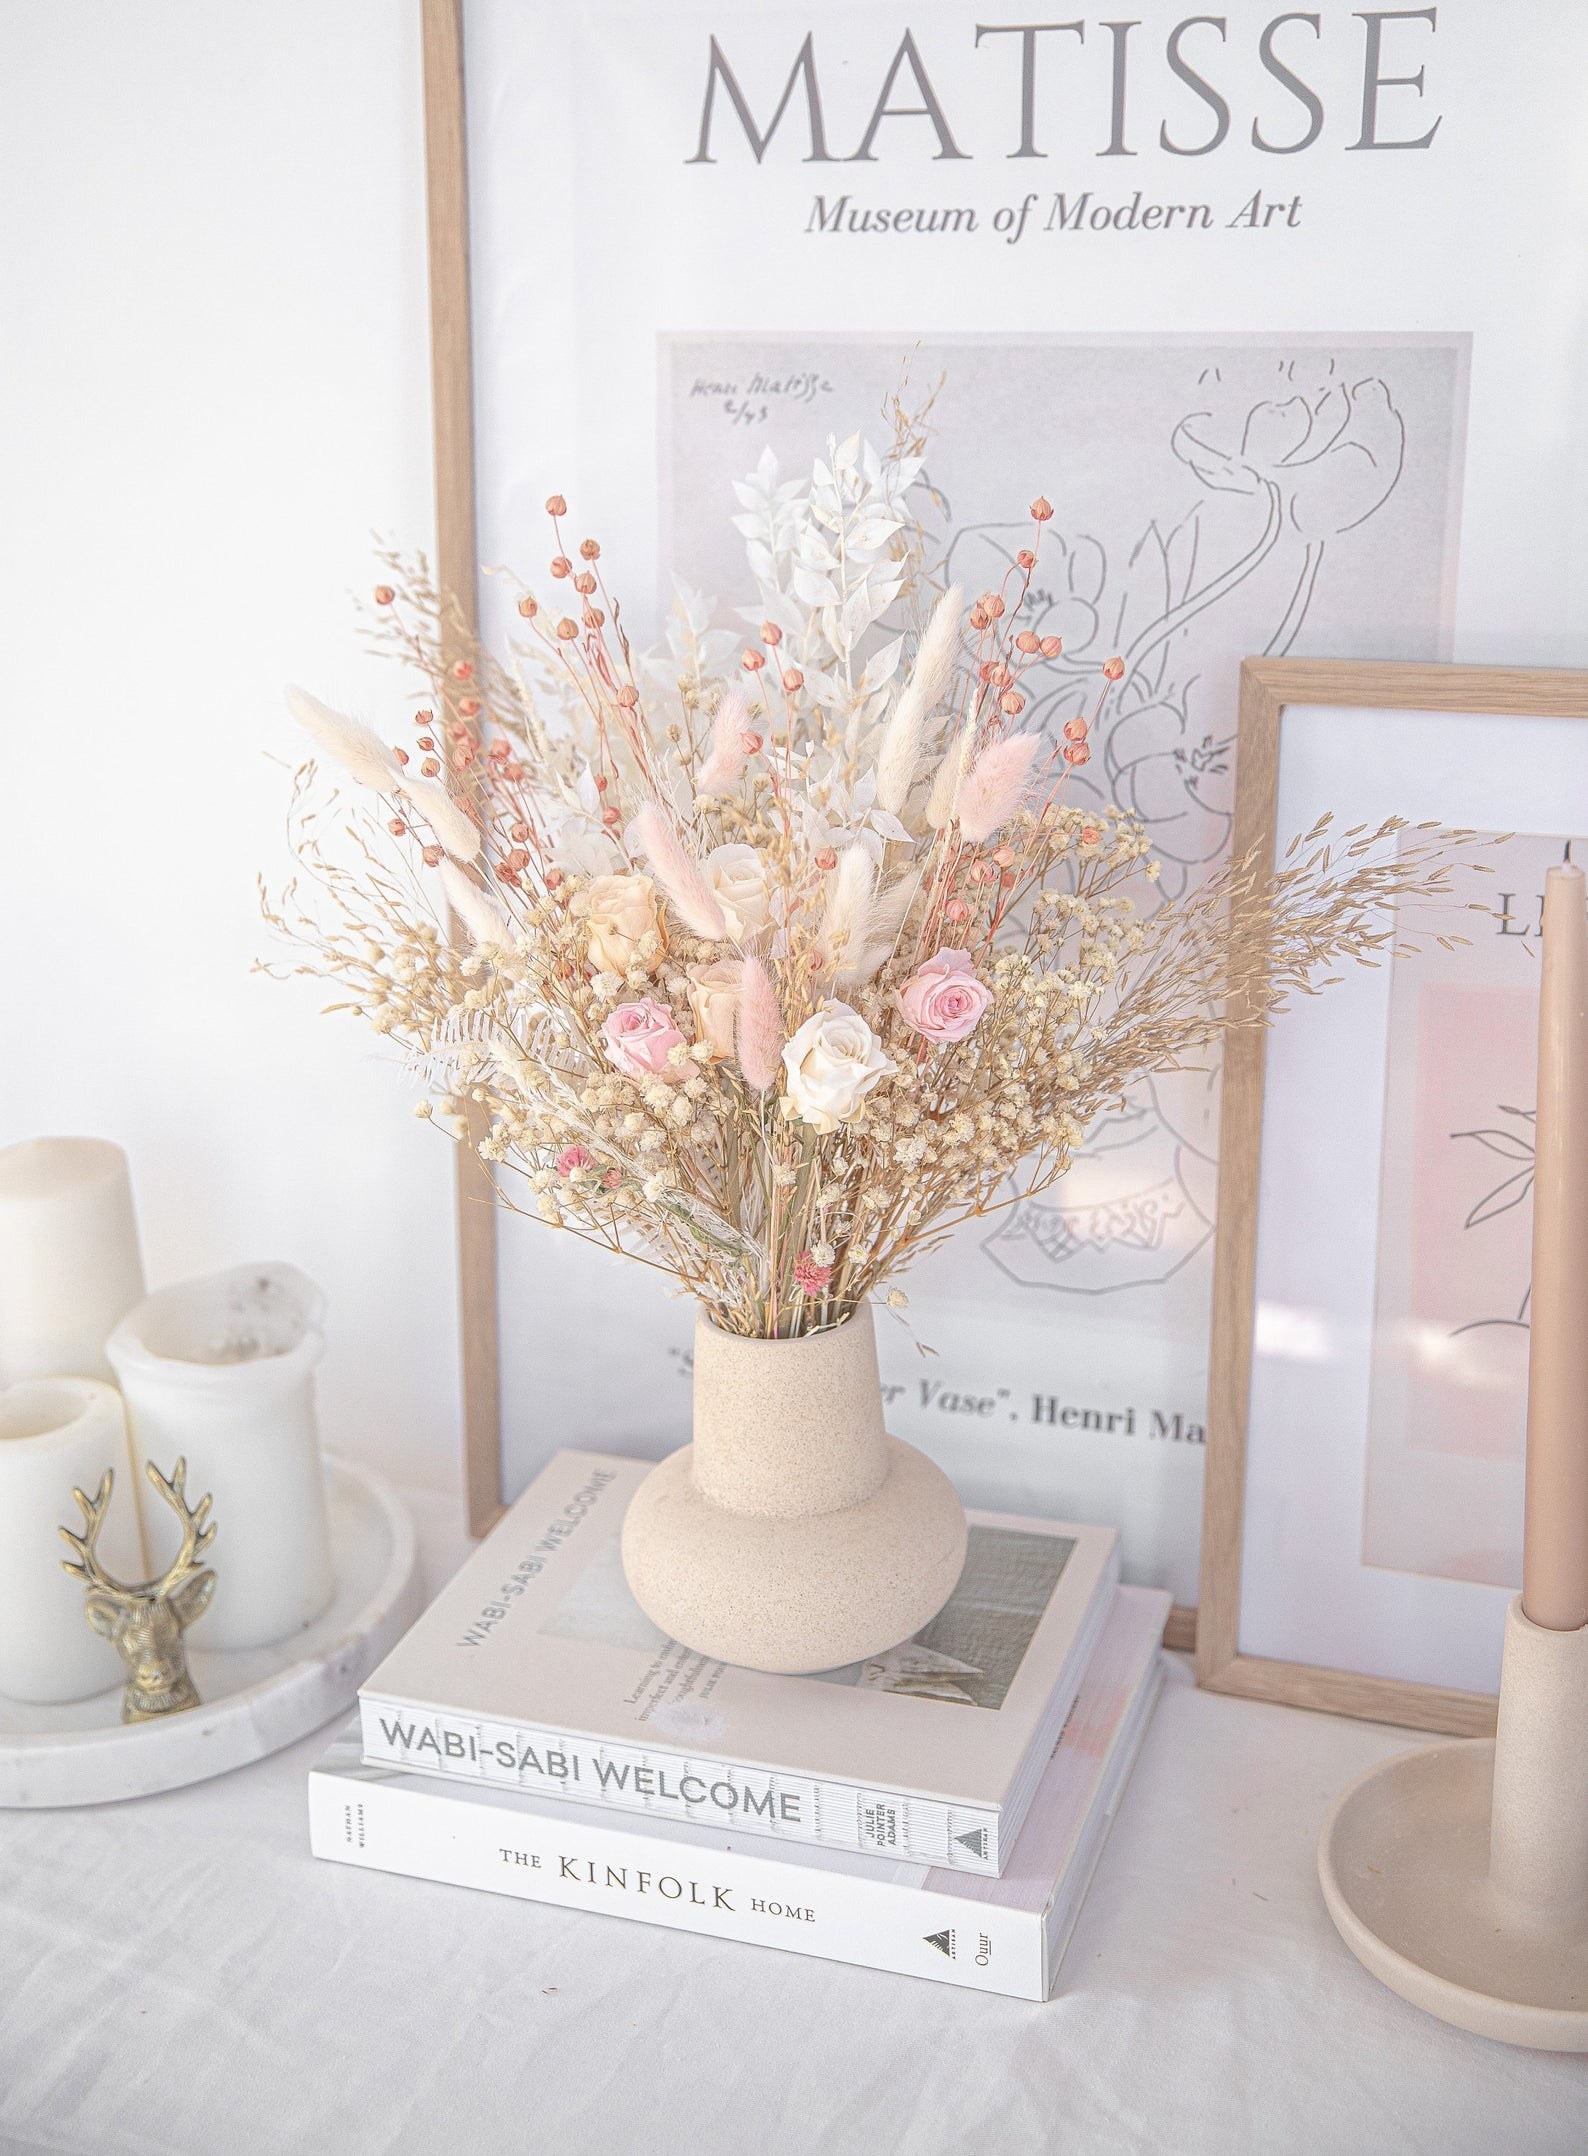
{"x":738,"y":880}
{"x":832,"y":1062}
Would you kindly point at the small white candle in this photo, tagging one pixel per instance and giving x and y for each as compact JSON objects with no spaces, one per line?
{"x":69,"y":1264}
{"x":220,"y":1371}
{"x":56,"y":1435}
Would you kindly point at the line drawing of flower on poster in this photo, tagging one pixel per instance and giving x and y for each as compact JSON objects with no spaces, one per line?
{"x":1276,"y":482}
{"x":1515,"y":1152}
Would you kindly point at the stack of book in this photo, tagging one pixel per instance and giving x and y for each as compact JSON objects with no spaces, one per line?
{"x":937,"y":1810}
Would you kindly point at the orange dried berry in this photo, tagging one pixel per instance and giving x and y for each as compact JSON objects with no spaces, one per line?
{"x":1026,"y":558}
{"x":519,"y":831}
{"x":982,"y":872}
{"x":528,"y":607}
{"x":561,"y":565}
{"x":1076,"y":752}
{"x":384,"y":595}
{"x":556,"y":506}
{"x":771,"y":634}
{"x":753,"y":661}
{"x":999,"y":675}
{"x":610,"y":816}
{"x":396,"y":827}
{"x":1027,"y":642}
{"x":978,"y":616}
{"x":602,"y":782}
{"x":584,"y":583}
{"x":1013,"y":702}
{"x":469,"y":706}
{"x":793,"y":680}
{"x":1005,"y":857}
{"x":1075,"y":729}
{"x":554,"y":879}
{"x":1006,"y":880}
{"x":429,"y":768}
{"x":1052,"y":646}
{"x":957,"y":910}
{"x":567,"y":629}
{"x":590,"y":549}
{"x":426,"y":741}
{"x":1041,"y":509}
{"x":628,"y":696}
{"x":750,"y":743}
{"x":994,"y":605}
{"x":463,"y":670}
{"x":1113,"y":669}
{"x":592,"y":617}
{"x":401,"y":755}
{"x":432,"y":857}
{"x":826,"y":859}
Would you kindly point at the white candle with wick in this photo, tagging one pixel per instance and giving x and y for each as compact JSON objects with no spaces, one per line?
{"x":69,"y":1263}
{"x":220,"y":1371}
{"x":58,"y":1434}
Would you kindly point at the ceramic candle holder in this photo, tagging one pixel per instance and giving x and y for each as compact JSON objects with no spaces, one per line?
{"x":220,"y":1371}
{"x":1459,"y":1874}
{"x":57,"y":1435}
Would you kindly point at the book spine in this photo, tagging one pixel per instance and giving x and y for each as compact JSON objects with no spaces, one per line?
{"x":733,"y":1894}
{"x":704,"y":1791}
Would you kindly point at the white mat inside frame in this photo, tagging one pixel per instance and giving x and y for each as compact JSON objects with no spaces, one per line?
{"x":253,"y":1703}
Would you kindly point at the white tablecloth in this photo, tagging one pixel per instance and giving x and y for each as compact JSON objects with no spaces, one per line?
{"x":178,"y":1977}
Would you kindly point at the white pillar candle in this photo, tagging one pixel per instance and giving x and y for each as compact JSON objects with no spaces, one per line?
{"x":69,"y":1264}
{"x":221,"y":1371}
{"x":58,"y":1434}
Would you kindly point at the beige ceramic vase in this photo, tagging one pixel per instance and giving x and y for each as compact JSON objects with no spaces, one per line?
{"x":794,"y":1533}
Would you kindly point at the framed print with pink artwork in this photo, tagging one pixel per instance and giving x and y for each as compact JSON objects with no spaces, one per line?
{"x":1363,"y":1527}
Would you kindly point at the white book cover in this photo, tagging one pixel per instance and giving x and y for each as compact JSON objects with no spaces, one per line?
{"x":535,"y":1669}
{"x":992,"y":1934}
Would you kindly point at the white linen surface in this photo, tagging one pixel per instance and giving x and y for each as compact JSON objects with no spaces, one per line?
{"x":178,"y":1977}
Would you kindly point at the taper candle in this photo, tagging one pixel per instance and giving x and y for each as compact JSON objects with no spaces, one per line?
{"x":69,"y":1264}
{"x":221,"y":1371}
{"x":1555,"y":1533}
{"x":58,"y":1434}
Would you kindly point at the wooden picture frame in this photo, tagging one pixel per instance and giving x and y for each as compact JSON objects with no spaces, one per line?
{"x":457,"y":574}
{"x":1267,"y":687}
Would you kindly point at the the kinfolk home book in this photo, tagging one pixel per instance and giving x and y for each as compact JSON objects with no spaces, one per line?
{"x":534,"y":1669}
{"x":994,"y":1934}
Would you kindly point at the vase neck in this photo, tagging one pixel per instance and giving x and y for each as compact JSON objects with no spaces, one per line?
{"x":789,"y":1428}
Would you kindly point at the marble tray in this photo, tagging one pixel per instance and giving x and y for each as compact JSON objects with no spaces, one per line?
{"x":253,"y":1702}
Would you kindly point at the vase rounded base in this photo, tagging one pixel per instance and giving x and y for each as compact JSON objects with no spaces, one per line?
{"x":794,"y":1595}
{"x":1404,"y":1864}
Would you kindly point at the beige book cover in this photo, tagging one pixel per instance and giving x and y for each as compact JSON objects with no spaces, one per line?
{"x":534,"y":1668}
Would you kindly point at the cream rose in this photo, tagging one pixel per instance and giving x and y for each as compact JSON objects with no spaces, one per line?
{"x":737,"y":876}
{"x":714,"y":999}
{"x":620,"y":912}
{"x":831,"y":1064}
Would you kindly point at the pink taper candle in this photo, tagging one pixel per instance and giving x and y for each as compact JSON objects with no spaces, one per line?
{"x":1555,"y":1540}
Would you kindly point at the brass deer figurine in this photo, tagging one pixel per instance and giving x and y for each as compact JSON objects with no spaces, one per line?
{"x":145,"y":1624}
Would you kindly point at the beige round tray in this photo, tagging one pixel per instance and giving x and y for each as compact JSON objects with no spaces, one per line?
{"x":254,"y":1702}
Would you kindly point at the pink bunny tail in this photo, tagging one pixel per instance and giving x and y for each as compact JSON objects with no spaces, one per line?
{"x":760,"y":1027}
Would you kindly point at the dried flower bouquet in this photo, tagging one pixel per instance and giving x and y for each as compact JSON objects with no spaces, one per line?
{"x":769,"y":964}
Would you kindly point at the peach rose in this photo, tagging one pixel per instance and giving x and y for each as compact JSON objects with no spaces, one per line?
{"x":714,"y":999}
{"x":944,"y":999}
{"x":620,"y":911}
{"x":738,"y":879}
{"x":640,"y":1037}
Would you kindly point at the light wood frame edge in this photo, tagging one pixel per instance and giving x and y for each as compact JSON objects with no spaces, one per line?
{"x":457,"y":577}
{"x":1267,"y":686}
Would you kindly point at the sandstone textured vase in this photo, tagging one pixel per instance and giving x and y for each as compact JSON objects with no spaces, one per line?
{"x":794,"y":1534}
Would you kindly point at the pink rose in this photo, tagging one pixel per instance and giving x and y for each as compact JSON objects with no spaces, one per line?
{"x":640,"y":1037}
{"x":944,"y":999}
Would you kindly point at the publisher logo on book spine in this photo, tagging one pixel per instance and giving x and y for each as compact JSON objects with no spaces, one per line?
{"x":943,"y":1941}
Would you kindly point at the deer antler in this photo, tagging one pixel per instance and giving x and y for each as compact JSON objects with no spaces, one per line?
{"x":196,"y":1537}
{"x":86,"y":1564}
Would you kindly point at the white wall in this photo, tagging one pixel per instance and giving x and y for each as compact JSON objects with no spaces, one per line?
{"x":213,"y":389}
